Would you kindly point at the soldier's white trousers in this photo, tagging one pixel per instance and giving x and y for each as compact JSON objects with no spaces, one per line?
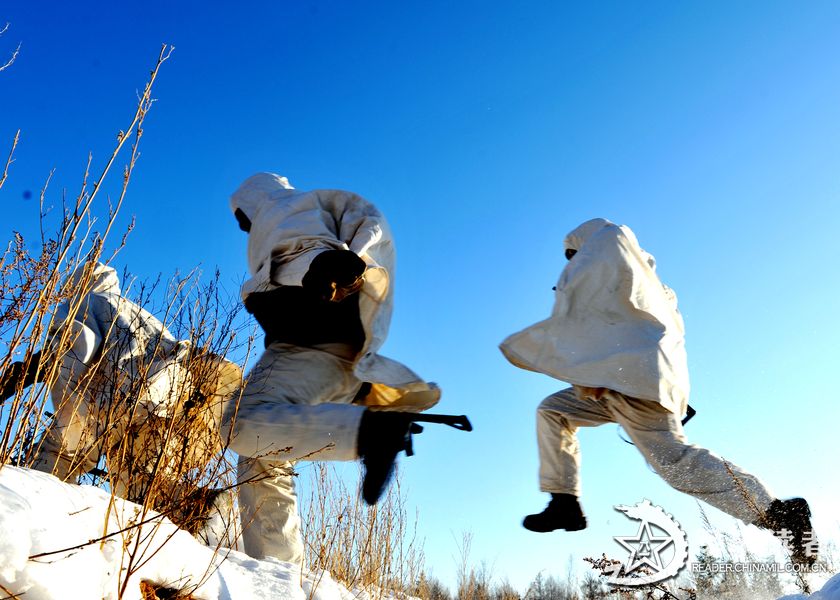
{"x":296,"y":405}
{"x":84,"y":430}
{"x":658,"y":434}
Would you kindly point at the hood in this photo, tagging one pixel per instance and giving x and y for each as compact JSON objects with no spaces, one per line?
{"x":256,"y":190}
{"x":101,"y":279}
{"x":580,"y":234}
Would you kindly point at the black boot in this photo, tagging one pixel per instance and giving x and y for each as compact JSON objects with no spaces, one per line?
{"x":382,"y":435}
{"x":793,"y":516}
{"x":563,"y":512}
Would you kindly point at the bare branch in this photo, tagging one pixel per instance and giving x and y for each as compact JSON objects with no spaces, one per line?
{"x":14,"y":54}
{"x":9,"y":160}
{"x":143,"y":107}
{"x":10,"y":596}
{"x":12,"y":59}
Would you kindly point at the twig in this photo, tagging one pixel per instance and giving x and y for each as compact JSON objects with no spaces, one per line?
{"x":11,"y":595}
{"x":138,"y":524}
{"x":9,"y":160}
{"x":748,"y":498}
{"x":12,"y":59}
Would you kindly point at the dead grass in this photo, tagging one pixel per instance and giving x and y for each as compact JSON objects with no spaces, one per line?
{"x":375,"y":549}
{"x":171,"y":460}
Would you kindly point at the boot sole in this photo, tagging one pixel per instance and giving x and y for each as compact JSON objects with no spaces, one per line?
{"x":537,"y":529}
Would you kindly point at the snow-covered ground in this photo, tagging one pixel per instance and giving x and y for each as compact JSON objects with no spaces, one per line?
{"x":830,"y":591}
{"x":66,"y":525}
{"x":61,"y":541}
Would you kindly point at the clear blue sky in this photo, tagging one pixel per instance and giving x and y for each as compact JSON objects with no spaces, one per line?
{"x":485,"y":131}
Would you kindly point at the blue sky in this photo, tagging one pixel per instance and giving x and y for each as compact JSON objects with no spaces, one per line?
{"x":485,"y":131}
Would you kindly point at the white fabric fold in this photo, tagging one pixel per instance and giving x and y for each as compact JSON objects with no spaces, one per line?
{"x":614,"y":323}
{"x":290,"y":227}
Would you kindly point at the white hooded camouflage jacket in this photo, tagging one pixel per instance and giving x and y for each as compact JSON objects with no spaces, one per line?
{"x":124,"y":344}
{"x":289,"y":228}
{"x":614,"y":324}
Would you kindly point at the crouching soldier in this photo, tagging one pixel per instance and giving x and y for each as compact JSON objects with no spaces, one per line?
{"x":124,"y":390}
{"x":321,"y":265}
{"x":616,"y":335}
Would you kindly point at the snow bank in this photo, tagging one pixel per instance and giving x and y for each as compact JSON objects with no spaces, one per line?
{"x":60,"y":541}
{"x":830,"y":591}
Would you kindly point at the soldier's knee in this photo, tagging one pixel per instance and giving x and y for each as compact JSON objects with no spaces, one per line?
{"x":546,"y":412}
{"x":681,"y":466}
{"x":553,"y":403}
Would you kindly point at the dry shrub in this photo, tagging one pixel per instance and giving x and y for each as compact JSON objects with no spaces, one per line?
{"x":429,"y":587}
{"x":31,"y":283}
{"x":473,"y":583}
{"x":172,"y":456}
{"x":369,"y":548}
{"x":168,"y":457}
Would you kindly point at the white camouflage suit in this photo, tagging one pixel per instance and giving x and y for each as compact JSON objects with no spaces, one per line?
{"x":616,"y":335}
{"x":297,"y":403}
{"x":120,"y":366}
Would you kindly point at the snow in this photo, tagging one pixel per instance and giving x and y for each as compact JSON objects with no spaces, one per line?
{"x":82,"y":558}
{"x":39,"y":514}
{"x":830,"y":591}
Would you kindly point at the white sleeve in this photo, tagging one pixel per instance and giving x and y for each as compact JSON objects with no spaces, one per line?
{"x":79,"y":341}
{"x":360,"y":224}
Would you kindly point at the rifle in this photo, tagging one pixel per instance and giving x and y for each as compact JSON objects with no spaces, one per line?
{"x":459,"y":422}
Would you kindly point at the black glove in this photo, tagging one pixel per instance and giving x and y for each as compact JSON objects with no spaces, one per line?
{"x":335,"y":274}
{"x":9,"y":381}
{"x":29,"y":372}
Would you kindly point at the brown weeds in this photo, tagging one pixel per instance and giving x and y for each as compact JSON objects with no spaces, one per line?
{"x":170,"y":459}
{"x":369,"y":548}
